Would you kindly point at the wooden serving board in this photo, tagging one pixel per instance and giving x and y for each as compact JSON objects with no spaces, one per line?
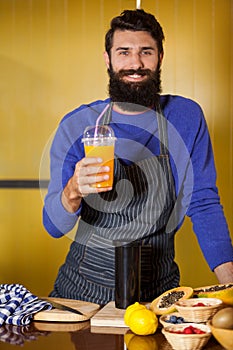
{"x":109,"y":316}
{"x":56,"y":315}
{"x":61,"y":326}
{"x":109,"y":330}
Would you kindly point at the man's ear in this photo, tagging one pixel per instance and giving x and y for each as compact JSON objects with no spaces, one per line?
{"x":161,"y":58}
{"x":106,"y":59}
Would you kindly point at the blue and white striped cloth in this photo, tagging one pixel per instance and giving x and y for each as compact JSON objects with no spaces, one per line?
{"x":18,"y":305}
{"x":18,"y":335}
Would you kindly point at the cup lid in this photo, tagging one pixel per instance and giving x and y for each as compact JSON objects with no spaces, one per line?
{"x":98,"y":133}
{"x":98,"y":139}
{"x":126,"y":243}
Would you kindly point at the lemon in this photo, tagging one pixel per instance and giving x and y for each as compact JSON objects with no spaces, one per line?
{"x":143,"y":322}
{"x":138,"y":342}
{"x":130,"y":309}
{"x":127,"y":338}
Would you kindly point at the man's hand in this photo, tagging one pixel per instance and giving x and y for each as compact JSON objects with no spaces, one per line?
{"x":224,"y":273}
{"x":87,"y":172}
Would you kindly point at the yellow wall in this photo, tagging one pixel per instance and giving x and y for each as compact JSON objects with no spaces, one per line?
{"x":50,"y":62}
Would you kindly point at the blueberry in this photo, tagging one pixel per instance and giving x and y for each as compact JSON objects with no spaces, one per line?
{"x":180,"y":320}
{"x":173,"y":319}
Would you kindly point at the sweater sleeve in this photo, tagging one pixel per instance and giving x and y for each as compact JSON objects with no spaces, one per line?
{"x":63,"y":158}
{"x":66,"y":150}
{"x":205,"y":209}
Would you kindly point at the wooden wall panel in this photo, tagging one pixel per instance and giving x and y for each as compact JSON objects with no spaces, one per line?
{"x":51,"y":62}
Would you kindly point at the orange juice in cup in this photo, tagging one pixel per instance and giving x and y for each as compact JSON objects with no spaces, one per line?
{"x":99,"y":141}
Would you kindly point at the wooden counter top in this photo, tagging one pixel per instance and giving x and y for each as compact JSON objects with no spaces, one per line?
{"x":78,"y":336}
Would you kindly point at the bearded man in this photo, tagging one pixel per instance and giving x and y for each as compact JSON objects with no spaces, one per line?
{"x":163,"y":170}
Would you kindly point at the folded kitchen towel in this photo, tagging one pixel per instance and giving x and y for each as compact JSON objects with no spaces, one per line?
{"x":18,"y":305}
{"x":18,"y":335}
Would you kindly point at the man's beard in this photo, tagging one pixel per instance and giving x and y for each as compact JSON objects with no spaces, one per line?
{"x":132,"y":96}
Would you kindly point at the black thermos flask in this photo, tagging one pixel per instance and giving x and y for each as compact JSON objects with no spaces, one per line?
{"x":127,"y":273}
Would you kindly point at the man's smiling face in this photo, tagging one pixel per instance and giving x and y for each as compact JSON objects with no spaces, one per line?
{"x":133,"y":51}
{"x":134,"y":68}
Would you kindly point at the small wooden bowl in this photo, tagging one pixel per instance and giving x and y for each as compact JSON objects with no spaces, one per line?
{"x":187,"y":341}
{"x":198,"y":314}
{"x":222,"y":335}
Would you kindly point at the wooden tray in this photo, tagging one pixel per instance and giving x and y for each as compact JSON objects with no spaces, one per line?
{"x":43,"y":326}
{"x":56,"y":315}
{"x":109,"y":330}
{"x":109,"y":316}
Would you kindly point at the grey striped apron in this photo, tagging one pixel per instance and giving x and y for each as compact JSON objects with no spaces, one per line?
{"x":138,"y":208}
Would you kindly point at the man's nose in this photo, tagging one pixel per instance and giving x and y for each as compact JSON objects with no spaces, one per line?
{"x":136,"y":61}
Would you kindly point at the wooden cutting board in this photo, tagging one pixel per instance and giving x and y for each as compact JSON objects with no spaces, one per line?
{"x":109,"y":316}
{"x":61,"y":326}
{"x":56,"y":315}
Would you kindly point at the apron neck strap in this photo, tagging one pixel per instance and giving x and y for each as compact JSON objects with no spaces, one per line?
{"x":162,"y":127}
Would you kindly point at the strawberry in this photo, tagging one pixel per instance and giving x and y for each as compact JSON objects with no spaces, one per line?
{"x":198,"y":331}
{"x":188,"y":330}
{"x":199,"y":304}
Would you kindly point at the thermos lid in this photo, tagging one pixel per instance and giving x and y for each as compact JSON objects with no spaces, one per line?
{"x":126,"y":243}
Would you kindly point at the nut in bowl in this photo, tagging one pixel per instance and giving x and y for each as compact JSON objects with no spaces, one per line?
{"x":187,"y":337}
{"x":196,"y":310}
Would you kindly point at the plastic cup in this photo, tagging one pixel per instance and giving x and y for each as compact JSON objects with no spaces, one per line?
{"x":99,"y":141}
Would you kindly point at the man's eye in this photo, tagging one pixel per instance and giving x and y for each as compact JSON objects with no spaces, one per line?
{"x":146,"y":53}
{"x":124,"y":53}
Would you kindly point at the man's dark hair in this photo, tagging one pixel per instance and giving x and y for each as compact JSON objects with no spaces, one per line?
{"x":135,"y":20}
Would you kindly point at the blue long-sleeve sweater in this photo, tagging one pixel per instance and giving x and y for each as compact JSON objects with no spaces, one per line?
{"x":191,"y":159}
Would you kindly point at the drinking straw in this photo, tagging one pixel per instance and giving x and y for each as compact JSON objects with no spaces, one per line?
{"x":98,"y":119}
